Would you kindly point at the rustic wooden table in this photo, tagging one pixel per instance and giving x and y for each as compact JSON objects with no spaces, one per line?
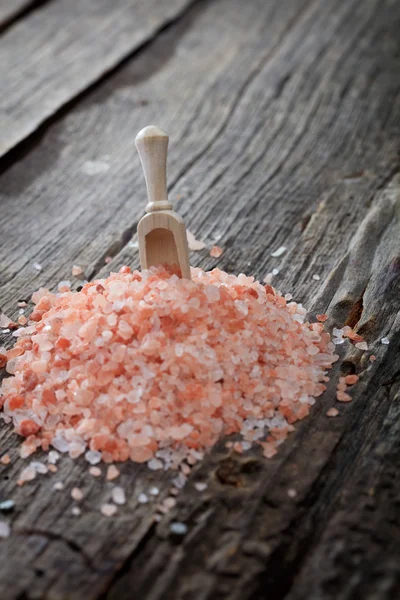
{"x":284,"y":118}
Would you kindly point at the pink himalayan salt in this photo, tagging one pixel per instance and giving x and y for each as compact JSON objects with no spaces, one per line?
{"x":5,"y":459}
{"x":332,"y":412}
{"x":194,"y":244}
{"x":76,"y":271}
{"x":351,"y":379}
{"x":76,"y":494}
{"x":216,"y":252}
{"x":372,"y":358}
{"x":112,"y":473}
{"x":95,"y":471}
{"x":147,"y":365}
{"x":108,"y":510}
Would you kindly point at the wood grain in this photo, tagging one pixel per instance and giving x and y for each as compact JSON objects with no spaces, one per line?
{"x":10,"y":10}
{"x":284,"y":121}
{"x":57,"y":52}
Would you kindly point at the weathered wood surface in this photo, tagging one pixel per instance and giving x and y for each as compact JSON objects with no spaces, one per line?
{"x":284,"y":120}
{"x":10,"y":10}
{"x":57,"y":52}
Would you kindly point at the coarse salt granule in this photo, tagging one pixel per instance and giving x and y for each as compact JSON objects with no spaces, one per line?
{"x":58,"y":485}
{"x":332,"y":412}
{"x":108,"y":510}
{"x":216,"y":252}
{"x":385,"y":340}
{"x":112,"y":473}
{"x":95,"y":471}
{"x":118,"y":495}
{"x":277,"y":253}
{"x":154,"y":368}
{"x":5,"y":529}
{"x":76,"y":494}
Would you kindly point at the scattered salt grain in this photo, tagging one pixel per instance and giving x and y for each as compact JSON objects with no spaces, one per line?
{"x":95,"y":167}
{"x":53,"y":468}
{"x":372,"y":358}
{"x":385,"y":340}
{"x":76,"y":271}
{"x":216,"y":252}
{"x":58,"y":485}
{"x":351,"y":379}
{"x":154,"y":464}
{"x":76,"y":494}
{"x":194,"y":244}
{"x":5,"y":459}
{"x":154,"y":491}
{"x":292,"y":493}
{"x":362,"y":346}
{"x":200,"y":486}
{"x":178,"y":528}
{"x":118,"y":495}
{"x":95,"y":471}
{"x":5,"y":529}
{"x":39,"y":467}
{"x":143,"y":499}
{"x":53,"y":457}
{"x":332,"y":412}
{"x":7,"y":506}
{"x":268,"y":278}
{"x":107,"y":260}
{"x":108,"y":510}
{"x":169,"y":502}
{"x":281,"y":250}
{"x":4,"y":320}
{"x":22,"y":304}
{"x":76,"y":511}
{"x":112,"y":473}
{"x":316,"y":277}
{"x":37,"y":266}
{"x":275,"y":271}
{"x":93,"y":457}
{"x":27,"y":474}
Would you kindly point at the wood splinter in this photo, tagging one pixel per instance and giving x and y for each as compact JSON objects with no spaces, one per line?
{"x":161,"y":232}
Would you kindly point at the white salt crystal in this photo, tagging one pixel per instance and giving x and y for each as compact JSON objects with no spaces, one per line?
{"x":338,"y":333}
{"x":154,"y":491}
{"x":39,"y":467}
{"x":76,"y":511}
{"x":118,"y":495}
{"x":53,"y":457}
{"x":155,"y":465}
{"x":58,"y":485}
{"x":4,"y":320}
{"x":28,"y":474}
{"x":200,"y":486}
{"x":362,"y":346}
{"x":93,"y":457}
{"x":178,"y":528}
{"x":281,"y":250}
{"x":4,"y":529}
{"x":316,"y":277}
{"x":194,"y":244}
{"x":108,"y":510}
{"x":133,"y":244}
{"x":143,"y":499}
{"x":268,"y":278}
{"x":291,"y":493}
{"x":64,"y":286}
{"x":37,"y":266}
{"x":385,"y":340}
{"x":275,"y":271}
{"x":338,"y":341}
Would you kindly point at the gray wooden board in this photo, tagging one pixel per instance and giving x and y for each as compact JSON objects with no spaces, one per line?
{"x":12,"y":9}
{"x":284,"y":123}
{"x":56,"y":52}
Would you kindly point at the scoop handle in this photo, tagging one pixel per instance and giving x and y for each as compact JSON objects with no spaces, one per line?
{"x":152,"y":146}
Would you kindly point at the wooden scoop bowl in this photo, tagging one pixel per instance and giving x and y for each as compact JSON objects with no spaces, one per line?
{"x":161,"y":232}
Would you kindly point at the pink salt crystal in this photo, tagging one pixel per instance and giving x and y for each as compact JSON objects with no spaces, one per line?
{"x":5,"y":459}
{"x":76,"y":270}
{"x":4,"y":320}
{"x":351,"y":379}
{"x":53,"y":468}
{"x":22,"y":320}
{"x":169,"y":502}
{"x":108,"y":510}
{"x":22,"y":304}
{"x":27,"y":474}
{"x":76,"y":494}
{"x":112,"y":473}
{"x":107,"y":259}
{"x":322,"y":318}
{"x":332,"y":412}
{"x":372,"y":358}
{"x":216,"y":252}
{"x":343,"y":397}
{"x":64,"y":286}
{"x":95,"y":471}
{"x":194,"y":244}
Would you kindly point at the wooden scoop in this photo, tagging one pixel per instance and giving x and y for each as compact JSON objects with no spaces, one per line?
{"x":162,"y":232}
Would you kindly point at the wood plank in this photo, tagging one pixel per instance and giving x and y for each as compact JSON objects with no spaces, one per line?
{"x":284,"y":130}
{"x":12,"y":9}
{"x":57,"y":52}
